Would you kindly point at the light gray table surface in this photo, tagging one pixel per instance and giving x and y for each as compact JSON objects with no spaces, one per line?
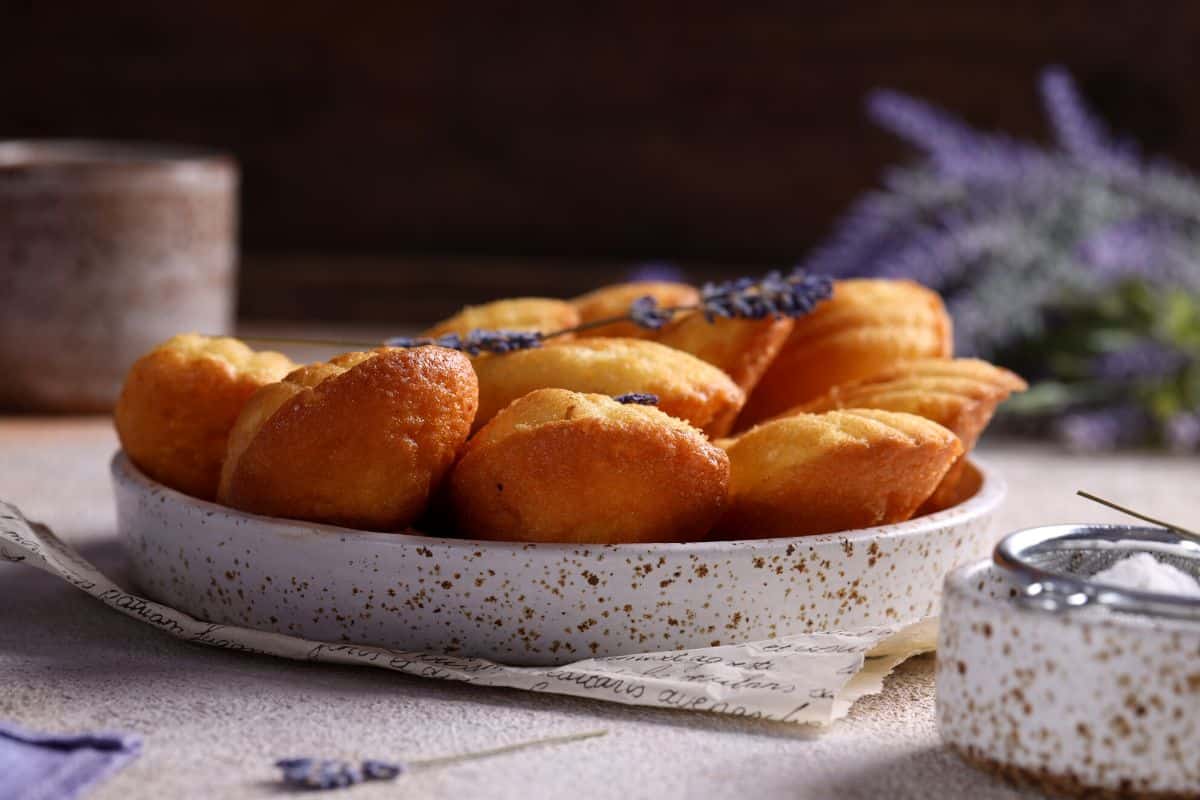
{"x":213,"y":721}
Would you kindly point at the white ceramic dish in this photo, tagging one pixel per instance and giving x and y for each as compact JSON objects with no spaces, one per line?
{"x":535,"y":603}
{"x":1087,"y":703}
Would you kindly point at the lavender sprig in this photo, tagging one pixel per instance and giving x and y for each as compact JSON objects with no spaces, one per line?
{"x":320,"y":774}
{"x":775,"y":294}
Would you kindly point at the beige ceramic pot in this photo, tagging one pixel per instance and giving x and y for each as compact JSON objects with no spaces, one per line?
{"x":105,"y":250}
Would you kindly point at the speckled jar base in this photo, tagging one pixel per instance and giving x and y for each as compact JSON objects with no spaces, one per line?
{"x":1086,"y":703}
{"x":534,"y":603}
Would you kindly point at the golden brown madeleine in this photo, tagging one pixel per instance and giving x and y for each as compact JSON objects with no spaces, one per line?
{"x":360,"y":441}
{"x":841,"y":470}
{"x":960,"y":394}
{"x":516,"y":314}
{"x":615,"y":301}
{"x":562,"y":466}
{"x":742,"y":348}
{"x":866,"y":326}
{"x":686,"y":387}
{"x":180,"y":401}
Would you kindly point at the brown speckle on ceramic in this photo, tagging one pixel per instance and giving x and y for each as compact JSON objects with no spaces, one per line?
{"x":1088,"y":703}
{"x":534,"y":603}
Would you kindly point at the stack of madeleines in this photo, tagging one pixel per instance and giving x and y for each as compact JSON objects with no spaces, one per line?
{"x":852,"y":416}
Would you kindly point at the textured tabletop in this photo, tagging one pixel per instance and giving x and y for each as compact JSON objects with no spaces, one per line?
{"x":213,"y":721}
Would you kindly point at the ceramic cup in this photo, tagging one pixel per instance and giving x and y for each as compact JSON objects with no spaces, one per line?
{"x":105,"y":250}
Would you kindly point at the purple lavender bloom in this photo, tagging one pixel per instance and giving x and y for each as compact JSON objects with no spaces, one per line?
{"x":1102,"y":429}
{"x":953,"y":146}
{"x":646,"y":313}
{"x":637,"y":398}
{"x":774,"y":295}
{"x":920,"y":124}
{"x":1136,"y":248}
{"x":1146,"y":360}
{"x":1182,"y":432}
{"x":1075,"y":128}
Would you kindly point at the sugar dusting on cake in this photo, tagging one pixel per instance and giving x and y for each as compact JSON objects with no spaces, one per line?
{"x":1143,"y":572}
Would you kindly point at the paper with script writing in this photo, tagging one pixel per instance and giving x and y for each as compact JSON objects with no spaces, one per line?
{"x":809,"y":678}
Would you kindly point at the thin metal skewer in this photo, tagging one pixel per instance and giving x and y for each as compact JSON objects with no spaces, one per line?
{"x":1115,"y":507}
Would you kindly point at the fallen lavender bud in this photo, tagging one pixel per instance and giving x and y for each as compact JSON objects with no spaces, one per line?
{"x":318,"y":773}
{"x":374,"y":770}
{"x":637,"y":398}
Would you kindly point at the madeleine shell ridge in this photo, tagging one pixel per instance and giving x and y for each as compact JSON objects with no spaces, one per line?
{"x":961,"y":394}
{"x":841,"y":470}
{"x":867,"y":326}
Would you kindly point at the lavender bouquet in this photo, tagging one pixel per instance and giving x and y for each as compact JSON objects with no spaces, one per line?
{"x":1078,"y":264}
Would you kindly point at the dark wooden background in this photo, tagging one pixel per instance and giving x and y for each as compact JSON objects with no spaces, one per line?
{"x":401,"y":158}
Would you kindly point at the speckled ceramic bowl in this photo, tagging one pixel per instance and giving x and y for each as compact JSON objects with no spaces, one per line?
{"x":1088,"y":703}
{"x":535,"y":603}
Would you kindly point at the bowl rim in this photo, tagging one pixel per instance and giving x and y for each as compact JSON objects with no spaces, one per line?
{"x":992,"y":491}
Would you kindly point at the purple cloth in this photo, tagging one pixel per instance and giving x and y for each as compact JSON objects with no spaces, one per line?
{"x":53,"y":766}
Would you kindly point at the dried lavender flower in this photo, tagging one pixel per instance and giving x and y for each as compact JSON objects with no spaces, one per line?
{"x":647,"y":313}
{"x":637,"y":398}
{"x":773,"y":295}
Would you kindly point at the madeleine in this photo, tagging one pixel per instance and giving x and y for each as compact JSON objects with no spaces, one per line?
{"x":179,"y":402}
{"x":686,"y":387}
{"x":867,"y":326}
{"x":959,"y":394}
{"x":361,"y":441}
{"x":742,"y":348}
{"x":841,"y":470}
{"x":616,"y":300}
{"x":541,"y":314}
{"x":562,"y":466}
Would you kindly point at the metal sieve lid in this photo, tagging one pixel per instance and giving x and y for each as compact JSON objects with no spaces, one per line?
{"x":1056,"y":563}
